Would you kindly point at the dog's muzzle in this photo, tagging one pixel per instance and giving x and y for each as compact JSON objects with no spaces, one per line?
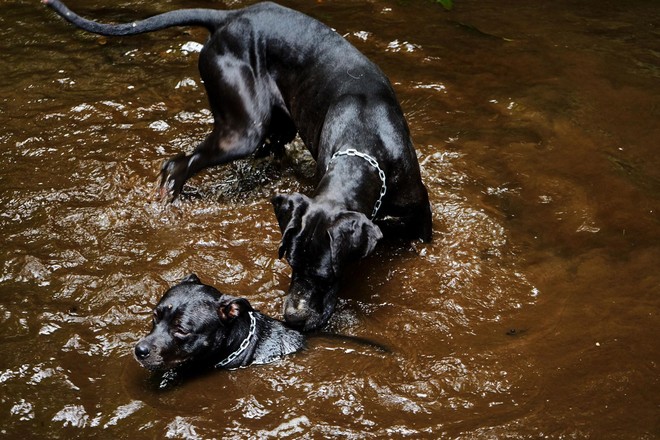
{"x":142,"y":351}
{"x":309,"y":305}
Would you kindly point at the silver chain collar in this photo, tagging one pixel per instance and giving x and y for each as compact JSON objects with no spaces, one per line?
{"x":244,"y":344}
{"x":374,"y":163}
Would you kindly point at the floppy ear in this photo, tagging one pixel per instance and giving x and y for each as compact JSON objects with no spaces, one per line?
{"x":230,"y":310}
{"x":352,"y":236}
{"x":289,"y":210}
{"x":192,"y":279}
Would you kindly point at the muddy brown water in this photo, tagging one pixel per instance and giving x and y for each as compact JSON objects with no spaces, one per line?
{"x":532,"y":314}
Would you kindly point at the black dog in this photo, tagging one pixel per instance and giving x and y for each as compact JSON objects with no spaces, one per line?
{"x":196,"y":325}
{"x":270,"y":71}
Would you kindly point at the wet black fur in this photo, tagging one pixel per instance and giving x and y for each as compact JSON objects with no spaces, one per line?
{"x":196,"y":326}
{"x":270,"y":72}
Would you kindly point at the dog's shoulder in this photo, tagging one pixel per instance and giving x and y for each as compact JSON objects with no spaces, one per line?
{"x":275,"y":340}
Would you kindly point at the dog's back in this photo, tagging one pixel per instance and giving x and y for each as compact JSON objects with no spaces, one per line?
{"x":277,"y":341}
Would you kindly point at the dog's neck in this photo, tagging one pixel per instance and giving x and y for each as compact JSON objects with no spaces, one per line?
{"x":240,"y":354}
{"x":353,"y":181}
{"x":266,"y":340}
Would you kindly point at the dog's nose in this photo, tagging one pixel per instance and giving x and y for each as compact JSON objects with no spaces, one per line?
{"x":295,"y":315}
{"x":142,"y":351}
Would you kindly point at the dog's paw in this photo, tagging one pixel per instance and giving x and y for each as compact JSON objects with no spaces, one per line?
{"x":173,"y":174}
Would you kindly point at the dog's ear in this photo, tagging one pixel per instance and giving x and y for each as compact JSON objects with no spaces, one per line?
{"x":352,"y":236}
{"x":230,"y":310}
{"x":289,"y":210}
{"x":191,"y":279}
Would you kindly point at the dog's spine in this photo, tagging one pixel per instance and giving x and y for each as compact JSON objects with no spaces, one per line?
{"x":207,"y":18}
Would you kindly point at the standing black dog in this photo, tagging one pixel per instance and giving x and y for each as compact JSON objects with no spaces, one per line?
{"x":270,"y":71}
{"x":196,"y":325}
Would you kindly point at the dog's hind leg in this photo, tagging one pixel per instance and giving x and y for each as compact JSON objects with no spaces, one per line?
{"x":241,"y":103}
{"x":282,"y":131}
{"x":219,"y":147}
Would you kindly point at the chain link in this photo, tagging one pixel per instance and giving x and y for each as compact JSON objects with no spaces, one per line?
{"x":374,"y":163}
{"x":244,"y":344}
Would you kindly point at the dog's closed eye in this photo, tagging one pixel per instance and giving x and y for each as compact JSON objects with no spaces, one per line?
{"x":180,"y":333}
{"x":179,"y":330}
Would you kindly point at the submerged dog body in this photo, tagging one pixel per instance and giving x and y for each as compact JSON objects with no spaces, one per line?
{"x":195,"y":324}
{"x":270,"y":72}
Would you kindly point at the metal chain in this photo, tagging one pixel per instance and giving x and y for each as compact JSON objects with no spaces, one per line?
{"x":374,"y":163}
{"x":244,"y":344}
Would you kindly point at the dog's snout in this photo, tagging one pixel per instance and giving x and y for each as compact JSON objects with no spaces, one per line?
{"x":296,"y":313}
{"x":142,"y":351}
{"x":295,"y":320}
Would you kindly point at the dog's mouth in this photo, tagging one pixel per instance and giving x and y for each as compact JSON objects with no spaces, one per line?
{"x":157,"y":364}
{"x":153,"y":359}
{"x":154,"y":367}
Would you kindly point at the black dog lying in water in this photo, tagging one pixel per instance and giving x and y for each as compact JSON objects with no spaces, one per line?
{"x":196,"y":325}
{"x":270,"y":71}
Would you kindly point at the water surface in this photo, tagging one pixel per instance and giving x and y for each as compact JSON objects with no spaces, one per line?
{"x":533,"y":313}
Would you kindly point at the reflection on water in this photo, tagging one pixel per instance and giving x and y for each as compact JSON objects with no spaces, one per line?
{"x":532,"y":314}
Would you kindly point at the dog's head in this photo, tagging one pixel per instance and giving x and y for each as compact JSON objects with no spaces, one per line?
{"x":190,"y":322}
{"x":318,"y":241}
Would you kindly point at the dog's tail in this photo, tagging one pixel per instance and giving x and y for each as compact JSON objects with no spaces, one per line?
{"x":208,"y":18}
{"x":355,"y":340}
